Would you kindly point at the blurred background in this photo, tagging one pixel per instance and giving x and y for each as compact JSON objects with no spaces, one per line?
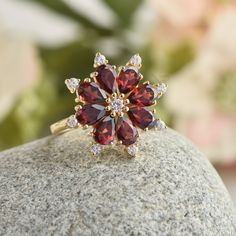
{"x":189,"y":44}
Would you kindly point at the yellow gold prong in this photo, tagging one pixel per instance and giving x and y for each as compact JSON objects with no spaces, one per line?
{"x":111,"y":143}
{"x":126,"y":109}
{"x":154,"y":111}
{"x":78,"y":107}
{"x":120,"y":142}
{"x":108,"y":100}
{"x":77,"y":99}
{"x":72,"y":90}
{"x":146,"y":82}
{"x":113,"y":67}
{"x":121,"y":68}
{"x":114,"y":95}
{"x":88,"y":80}
{"x":108,"y":108}
{"x":113,"y":114}
{"x":93,"y":74}
{"x":141,"y":76}
{"x":85,"y":126}
{"x":121,"y":95}
{"x":126,"y":101}
{"x":155,"y":102}
{"x":146,"y":129}
{"x":121,"y":114}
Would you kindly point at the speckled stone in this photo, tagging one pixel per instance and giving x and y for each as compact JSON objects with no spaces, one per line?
{"x":54,"y":187}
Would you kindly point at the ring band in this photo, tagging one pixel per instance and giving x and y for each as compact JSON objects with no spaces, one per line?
{"x":59,"y":127}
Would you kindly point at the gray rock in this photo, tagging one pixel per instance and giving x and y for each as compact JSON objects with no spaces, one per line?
{"x":54,"y":187}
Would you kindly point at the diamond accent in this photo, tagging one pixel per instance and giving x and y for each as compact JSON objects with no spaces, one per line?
{"x":72,"y":84}
{"x":160,"y":125}
{"x":136,"y":60}
{"x":117,"y":105}
{"x":99,"y":60}
{"x":96,"y":149}
{"x":161,"y":88}
{"x":72,"y":122}
{"x":132,"y":150}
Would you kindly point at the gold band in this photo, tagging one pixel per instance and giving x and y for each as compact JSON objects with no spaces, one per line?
{"x":59,"y":127}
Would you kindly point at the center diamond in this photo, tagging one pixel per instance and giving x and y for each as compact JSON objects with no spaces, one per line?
{"x":117,"y":105}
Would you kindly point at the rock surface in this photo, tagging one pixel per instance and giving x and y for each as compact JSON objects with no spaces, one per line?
{"x":54,"y":187}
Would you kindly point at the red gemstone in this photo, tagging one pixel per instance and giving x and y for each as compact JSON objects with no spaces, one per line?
{"x":141,"y":117}
{"x":91,"y":93}
{"x":104,"y":132}
{"x":106,"y":78}
{"x":90,"y":114}
{"x":128,"y":79}
{"x":144,"y":95}
{"x":126,"y":132}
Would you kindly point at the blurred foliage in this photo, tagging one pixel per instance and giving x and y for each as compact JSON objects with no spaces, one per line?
{"x":179,"y":56}
{"x":224,"y":92}
{"x":50,"y":100}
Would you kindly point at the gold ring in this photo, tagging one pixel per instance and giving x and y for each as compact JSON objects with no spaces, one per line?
{"x":113,"y":104}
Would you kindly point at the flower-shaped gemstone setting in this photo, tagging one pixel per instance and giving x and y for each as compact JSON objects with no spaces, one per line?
{"x":114,"y":104}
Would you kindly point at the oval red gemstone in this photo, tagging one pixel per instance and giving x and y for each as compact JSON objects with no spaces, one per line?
{"x":91,"y":93}
{"x":128,"y":79}
{"x":141,"y":117}
{"x":106,"y":78}
{"x":126,"y":132}
{"x":90,"y":114}
{"x":144,"y":95}
{"x":104,"y":132}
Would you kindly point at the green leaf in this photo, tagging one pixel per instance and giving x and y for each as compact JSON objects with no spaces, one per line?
{"x":62,"y":8}
{"x":124,"y":9}
{"x":72,"y":60}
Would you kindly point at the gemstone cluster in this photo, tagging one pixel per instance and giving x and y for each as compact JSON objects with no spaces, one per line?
{"x":115,"y":105}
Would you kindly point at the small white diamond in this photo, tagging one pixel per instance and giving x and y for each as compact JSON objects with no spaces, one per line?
{"x":72,"y":84}
{"x":136,"y":60}
{"x":161,"y":88}
{"x":132,"y":150}
{"x":99,"y":60}
{"x":96,"y":149}
{"x":117,"y":105}
{"x":72,"y":122}
{"x":160,"y":125}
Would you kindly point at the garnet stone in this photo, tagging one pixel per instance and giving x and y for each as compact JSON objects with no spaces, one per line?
{"x":141,"y":117}
{"x":91,"y":93}
{"x":106,"y":78}
{"x":90,"y":114}
{"x":104,"y":132}
{"x":126,"y":132}
{"x":144,"y":95}
{"x":128,"y":79}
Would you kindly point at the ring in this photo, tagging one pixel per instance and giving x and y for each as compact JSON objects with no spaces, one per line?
{"x":114,"y":105}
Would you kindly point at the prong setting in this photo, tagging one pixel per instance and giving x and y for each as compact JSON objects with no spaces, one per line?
{"x":72,"y":84}
{"x":135,"y":61}
{"x":119,"y":105}
{"x":72,"y":122}
{"x":99,"y":60}
{"x":87,"y":80}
